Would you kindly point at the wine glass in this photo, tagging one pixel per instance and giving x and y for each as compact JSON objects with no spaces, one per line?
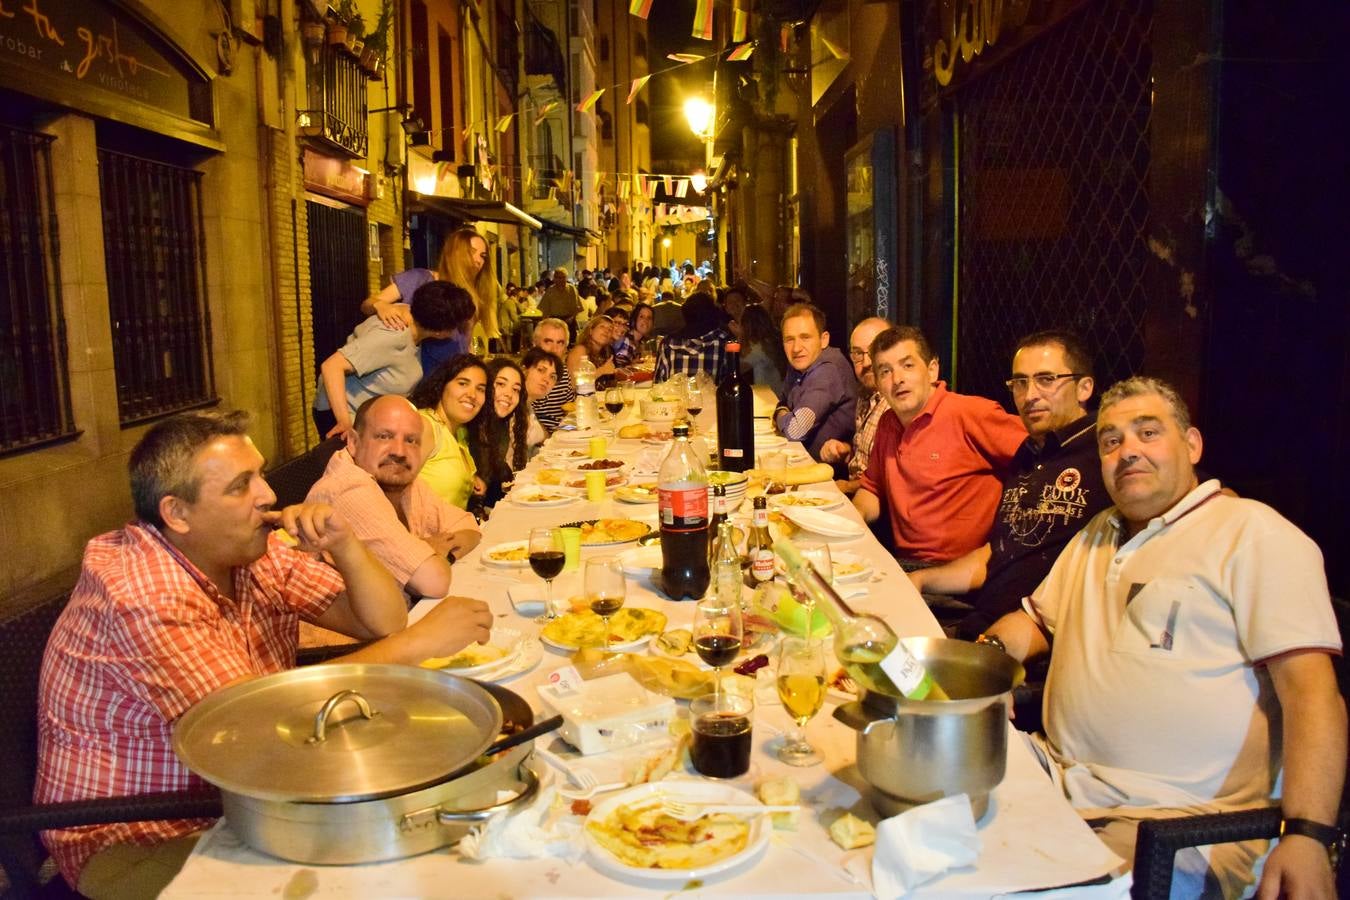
{"x":693,"y":404}
{"x":614,"y":401}
{"x":801,"y":688}
{"x":546,"y":559}
{"x":717,"y":634}
{"x":629,"y":392}
{"x":818,"y":555}
{"x":605,"y":588}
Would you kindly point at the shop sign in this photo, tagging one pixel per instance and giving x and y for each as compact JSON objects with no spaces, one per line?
{"x":336,"y":178}
{"x":967,"y":29}
{"x":85,"y":47}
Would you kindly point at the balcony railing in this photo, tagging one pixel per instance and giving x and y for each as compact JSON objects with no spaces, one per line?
{"x":337,"y":114}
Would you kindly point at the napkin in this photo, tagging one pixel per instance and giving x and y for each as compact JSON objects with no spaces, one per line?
{"x":922,"y":843}
{"x":533,"y":832}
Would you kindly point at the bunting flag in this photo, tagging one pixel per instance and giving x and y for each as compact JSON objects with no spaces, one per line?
{"x":637,"y":86}
{"x":552,"y":195}
{"x":651,"y":188}
{"x":681,"y":188}
{"x":742,"y":52}
{"x":703,"y":20}
{"x":637,"y":184}
{"x":740,"y":24}
{"x":468,"y":130}
{"x":624,"y":188}
{"x":835,"y":50}
{"x":640,"y":8}
{"x":599,"y":177}
{"x":660,"y":210}
{"x":527,"y":181}
{"x":669,"y":184}
{"x":784,"y":36}
{"x":503,"y":123}
{"x":544,"y":111}
{"x":684,"y":57}
{"x":590,"y":100}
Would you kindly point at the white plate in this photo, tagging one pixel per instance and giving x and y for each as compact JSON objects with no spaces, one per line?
{"x":580,"y":435}
{"x":616,"y":647}
{"x":840,"y":558}
{"x":506,"y":563}
{"x":769,"y":441}
{"x":527,"y":496}
{"x":828,"y":524}
{"x":764,"y":426}
{"x":628,"y":494}
{"x":689,"y":791}
{"x":527,"y":656}
{"x":640,"y":561}
{"x":611,"y":543}
{"x":509,"y":639}
{"x":564,"y":455}
{"x":821,"y":500}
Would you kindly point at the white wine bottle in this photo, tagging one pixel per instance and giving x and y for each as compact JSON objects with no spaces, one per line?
{"x":866,"y":646}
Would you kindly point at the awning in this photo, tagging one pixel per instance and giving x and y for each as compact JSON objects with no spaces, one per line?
{"x":583,"y":236}
{"x":474,"y":210}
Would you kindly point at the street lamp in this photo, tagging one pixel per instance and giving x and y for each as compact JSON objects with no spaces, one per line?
{"x":699,"y":112}
{"x":665,"y":243}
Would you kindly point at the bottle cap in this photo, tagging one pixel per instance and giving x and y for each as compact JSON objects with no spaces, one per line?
{"x":680,"y":429}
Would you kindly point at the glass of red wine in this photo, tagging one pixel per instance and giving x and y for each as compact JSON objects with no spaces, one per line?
{"x":605,"y":588}
{"x":546,"y":559}
{"x":614,"y":401}
{"x":717,"y":634}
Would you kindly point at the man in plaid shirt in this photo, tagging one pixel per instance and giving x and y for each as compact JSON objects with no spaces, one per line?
{"x":198,"y":593}
{"x":699,"y":347}
{"x":868,"y":412}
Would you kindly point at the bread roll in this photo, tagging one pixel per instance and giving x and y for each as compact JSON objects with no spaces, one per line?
{"x":851,"y":832}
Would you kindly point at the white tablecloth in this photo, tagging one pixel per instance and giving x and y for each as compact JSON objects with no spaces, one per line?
{"x":1031,"y":838}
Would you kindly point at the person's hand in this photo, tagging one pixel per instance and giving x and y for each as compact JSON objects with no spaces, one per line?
{"x":479,"y":486}
{"x":916,"y":578}
{"x":833,"y":451}
{"x":461,"y":542}
{"x":453,"y":624}
{"x":341,"y":429}
{"x":393,"y":314}
{"x":316,"y":527}
{"x":1299,"y":868}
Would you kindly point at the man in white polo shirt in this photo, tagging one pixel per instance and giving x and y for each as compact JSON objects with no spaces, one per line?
{"x":1191,"y":669}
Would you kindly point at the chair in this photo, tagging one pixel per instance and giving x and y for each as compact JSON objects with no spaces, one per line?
{"x":292,"y":479}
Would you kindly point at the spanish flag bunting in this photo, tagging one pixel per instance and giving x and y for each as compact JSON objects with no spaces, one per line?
{"x":590,"y":100}
{"x":684,"y":57}
{"x":651,"y":188}
{"x":640,"y":8}
{"x":835,"y":50}
{"x":681,"y":188}
{"x":669,"y":184}
{"x":503,"y":123}
{"x":624,"y":187}
{"x":637,"y":86}
{"x":544,"y":111}
{"x":742,"y":52}
{"x":703,"y":20}
{"x":740,"y":24}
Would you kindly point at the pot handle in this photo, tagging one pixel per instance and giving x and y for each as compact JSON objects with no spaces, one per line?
{"x":321,"y":720}
{"x":452,"y":817}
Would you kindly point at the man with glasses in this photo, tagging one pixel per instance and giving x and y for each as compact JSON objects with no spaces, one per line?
{"x":1053,"y":489}
{"x":868,"y":412}
{"x":938,"y":458}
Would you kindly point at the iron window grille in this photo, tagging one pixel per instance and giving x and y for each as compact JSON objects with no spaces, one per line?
{"x":337,"y":116}
{"x":153,"y":241}
{"x":34,"y":387}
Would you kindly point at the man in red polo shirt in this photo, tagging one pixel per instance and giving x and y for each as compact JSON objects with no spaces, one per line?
{"x":938,"y":458}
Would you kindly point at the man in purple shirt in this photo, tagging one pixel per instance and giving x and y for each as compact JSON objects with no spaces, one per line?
{"x":820,"y":393}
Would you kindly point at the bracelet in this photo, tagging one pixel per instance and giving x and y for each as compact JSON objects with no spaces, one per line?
{"x":994,"y":641}
{"x":1327,"y":835}
{"x":450,"y":556}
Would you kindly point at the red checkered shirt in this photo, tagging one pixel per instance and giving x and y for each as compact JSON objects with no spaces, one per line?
{"x":144,"y":637}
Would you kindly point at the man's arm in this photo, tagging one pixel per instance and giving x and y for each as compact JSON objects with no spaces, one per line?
{"x":432,"y":577}
{"x":457,"y":542}
{"x":867,"y":504}
{"x":960,"y":576}
{"x":1314,"y":772}
{"x":449,"y":627}
{"x":835,"y":450}
{"x":1021,"y":636}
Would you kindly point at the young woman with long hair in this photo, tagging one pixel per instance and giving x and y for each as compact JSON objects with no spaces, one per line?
{"x":762,"y":347}
{"x":451,"y":399}
{"x":500,"y":441}
{"x":464,"y":261}
{"x":593,"y":344}
{"x":542,"y":371}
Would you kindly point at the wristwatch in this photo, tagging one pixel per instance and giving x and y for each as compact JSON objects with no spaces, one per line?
{"x":996,"y":642}
{"x":1328,"y":835}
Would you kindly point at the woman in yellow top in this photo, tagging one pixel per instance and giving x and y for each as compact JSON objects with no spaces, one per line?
{"x":450,"y":399}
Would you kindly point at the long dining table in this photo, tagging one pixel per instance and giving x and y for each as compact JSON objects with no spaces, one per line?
{"x":1030,"y":838}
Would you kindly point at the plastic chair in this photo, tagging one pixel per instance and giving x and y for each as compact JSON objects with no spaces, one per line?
{"x":292,"y":479}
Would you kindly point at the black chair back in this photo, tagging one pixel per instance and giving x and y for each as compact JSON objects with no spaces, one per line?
{"x":292,"y":479}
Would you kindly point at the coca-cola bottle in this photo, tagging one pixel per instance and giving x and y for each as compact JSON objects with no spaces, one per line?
{"x":735,"y":416}
{"x":683,"y":492}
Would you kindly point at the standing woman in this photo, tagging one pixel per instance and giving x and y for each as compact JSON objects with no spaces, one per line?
{"x":464,"y":262}
{"x":450,"y":399}
{"x":500,"y":442}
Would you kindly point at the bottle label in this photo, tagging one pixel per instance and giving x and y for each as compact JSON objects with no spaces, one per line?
{"x":761,"y":564}
{"x":907,"y":672}
{"x":760,"y":518}
{"x":684,"y":509}
{"x":733,"y":452}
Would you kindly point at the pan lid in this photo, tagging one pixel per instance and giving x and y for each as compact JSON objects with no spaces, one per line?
{"x":337,"y":733}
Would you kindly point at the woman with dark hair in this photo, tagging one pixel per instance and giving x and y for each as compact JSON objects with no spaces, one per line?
{"x":593,"y":344}
{"x":450,"y":399}
{"x":464,"y":261}
{"x":629,"y":347}
{"x":500,"y":441}
{"x":762,"y":347}
{"x":542,"y":371}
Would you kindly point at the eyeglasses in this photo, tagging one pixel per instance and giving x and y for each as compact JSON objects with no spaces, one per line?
{"x":857,"y":355}
{"x":1044,"y":380}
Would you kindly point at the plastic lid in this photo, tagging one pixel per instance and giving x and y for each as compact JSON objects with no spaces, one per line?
{"x":680,"y":429}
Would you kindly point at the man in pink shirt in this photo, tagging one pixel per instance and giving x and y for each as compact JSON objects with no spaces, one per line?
{"x":373,"y":484}
{"x":938,"y":457}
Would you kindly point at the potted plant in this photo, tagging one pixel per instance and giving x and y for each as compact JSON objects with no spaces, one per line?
{"x":356,"y":35}
{"x":377,"y":41}
{"x":337,"y":21}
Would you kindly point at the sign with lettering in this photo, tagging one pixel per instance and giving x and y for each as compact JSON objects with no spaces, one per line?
{"x":964,"y":30}
{"x":336,"y":178}
{"x":87,"y":48}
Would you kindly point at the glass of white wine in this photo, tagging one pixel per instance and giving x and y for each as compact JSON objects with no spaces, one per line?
{"x":605,"y":588}
{"x":801,"y":688}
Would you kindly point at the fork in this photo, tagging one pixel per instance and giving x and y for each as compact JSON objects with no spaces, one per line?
{"x":587,"y":785}
{"x":689,"y":812}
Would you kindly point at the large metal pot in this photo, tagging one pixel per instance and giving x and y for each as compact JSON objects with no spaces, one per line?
{"x":357,"y":763}
{"x":917,"y":751}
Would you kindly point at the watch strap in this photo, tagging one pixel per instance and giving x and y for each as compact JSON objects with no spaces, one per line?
{"x":1327,"y":835}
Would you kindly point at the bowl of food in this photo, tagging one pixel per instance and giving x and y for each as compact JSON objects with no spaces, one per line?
{"x":655,"y":409}
{"x":734,"y":483}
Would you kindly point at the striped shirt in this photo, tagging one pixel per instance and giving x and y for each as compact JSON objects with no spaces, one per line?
{"x":146,"y":636}
{"x":549,"y":409}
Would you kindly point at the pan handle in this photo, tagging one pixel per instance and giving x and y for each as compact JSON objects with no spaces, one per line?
{"x":321,"y":719}
{"x":527,"y":777}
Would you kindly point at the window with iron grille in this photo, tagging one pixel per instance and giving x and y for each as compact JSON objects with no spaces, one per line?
{"x":161,"y":331}
{"x":34,"y":391}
